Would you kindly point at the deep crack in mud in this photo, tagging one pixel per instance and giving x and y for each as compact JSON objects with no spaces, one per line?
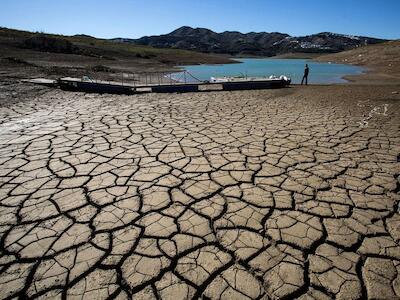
{"x":240,"y":195}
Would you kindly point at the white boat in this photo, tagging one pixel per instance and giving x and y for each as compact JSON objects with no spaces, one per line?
{"x":246,"y":79}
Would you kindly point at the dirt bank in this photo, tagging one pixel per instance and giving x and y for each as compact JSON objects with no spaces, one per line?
{"x":382,"y":62}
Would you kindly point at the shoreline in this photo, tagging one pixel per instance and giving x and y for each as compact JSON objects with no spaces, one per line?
{"x":371,"y":74}
{"x":347,"y":78}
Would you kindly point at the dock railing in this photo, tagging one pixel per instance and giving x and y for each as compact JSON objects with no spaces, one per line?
{"x":143,"y":79}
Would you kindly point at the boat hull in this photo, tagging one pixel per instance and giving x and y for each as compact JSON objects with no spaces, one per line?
{"x":254,"y":85}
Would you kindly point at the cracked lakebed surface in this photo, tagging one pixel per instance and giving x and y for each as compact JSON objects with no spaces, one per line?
{"x":221,"y":195}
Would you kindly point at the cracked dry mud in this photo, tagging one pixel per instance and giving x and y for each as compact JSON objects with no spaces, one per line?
{"x":222,"y":195}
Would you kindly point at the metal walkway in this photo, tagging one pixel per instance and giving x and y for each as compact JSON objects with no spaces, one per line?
{"x":163,"y":84}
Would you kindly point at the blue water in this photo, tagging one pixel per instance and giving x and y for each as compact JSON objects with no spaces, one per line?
{"x":293,"y":68}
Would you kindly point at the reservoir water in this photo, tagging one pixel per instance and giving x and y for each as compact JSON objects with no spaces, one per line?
{"x":293,"y":68}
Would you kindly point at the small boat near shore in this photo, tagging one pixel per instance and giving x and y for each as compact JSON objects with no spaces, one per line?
{"x":246,"y":78}
{"x":249,"y":83}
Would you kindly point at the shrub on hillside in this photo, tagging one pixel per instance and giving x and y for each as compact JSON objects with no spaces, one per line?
{"x":16,"y":60}
{"x":45,"y":43}
{"x":100,"y":68}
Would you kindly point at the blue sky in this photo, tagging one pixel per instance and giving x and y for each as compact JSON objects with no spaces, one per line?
{"x":133,"y":19}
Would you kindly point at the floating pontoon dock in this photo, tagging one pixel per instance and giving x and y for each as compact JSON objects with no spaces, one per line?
{"x":100,"y":86}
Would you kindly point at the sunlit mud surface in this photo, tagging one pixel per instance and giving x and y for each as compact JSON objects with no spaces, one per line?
{"x":221,"y":195}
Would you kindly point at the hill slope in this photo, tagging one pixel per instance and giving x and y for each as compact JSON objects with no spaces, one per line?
{"x":86,"y":51}
{"x":262,"y":43}
{"x":383,"y":59}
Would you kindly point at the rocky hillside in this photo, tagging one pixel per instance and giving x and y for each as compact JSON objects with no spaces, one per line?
{"x":262,"y":43}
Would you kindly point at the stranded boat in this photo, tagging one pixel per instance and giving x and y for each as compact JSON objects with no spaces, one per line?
{"x":247,"y":83}
{"x":246,"y":78}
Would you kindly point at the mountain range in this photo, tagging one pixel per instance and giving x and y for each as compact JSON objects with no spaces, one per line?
{"x":253,"y":43}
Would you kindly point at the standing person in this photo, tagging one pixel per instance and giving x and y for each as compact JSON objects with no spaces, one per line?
{"x":306,"y":71}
